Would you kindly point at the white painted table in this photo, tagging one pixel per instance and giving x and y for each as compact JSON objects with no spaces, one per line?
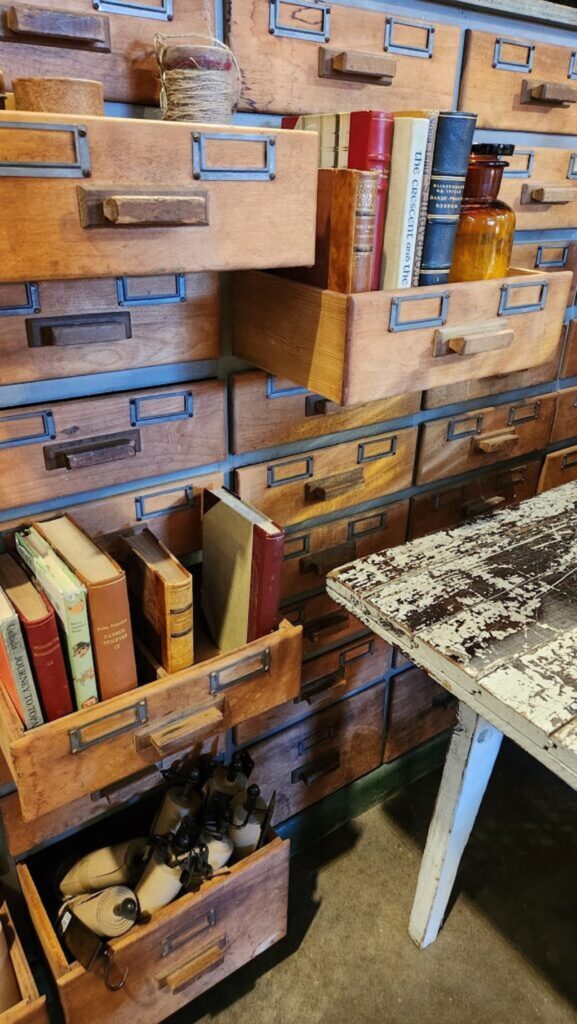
{"x":489,"y":610}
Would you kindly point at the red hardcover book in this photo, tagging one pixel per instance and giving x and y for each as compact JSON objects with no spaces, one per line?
{"x":370,"y":143}
{"x":38,"y":622}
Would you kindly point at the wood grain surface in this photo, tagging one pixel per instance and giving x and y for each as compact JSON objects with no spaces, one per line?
{"x":549,"y":167}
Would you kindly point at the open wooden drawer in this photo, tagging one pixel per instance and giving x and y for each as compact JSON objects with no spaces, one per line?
{"x":32,"y":1007}
{"x":371,"y":345}
{"x":183,"y":950}
{"x":85,"y":752}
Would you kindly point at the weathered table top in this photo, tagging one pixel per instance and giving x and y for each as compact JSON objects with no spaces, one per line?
{"x":489,"y":609}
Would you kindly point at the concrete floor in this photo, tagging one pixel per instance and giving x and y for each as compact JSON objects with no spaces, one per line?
{"x":508,"y":952}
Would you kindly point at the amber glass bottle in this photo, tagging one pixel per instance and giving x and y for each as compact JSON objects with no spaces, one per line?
{"x":486,"y":225}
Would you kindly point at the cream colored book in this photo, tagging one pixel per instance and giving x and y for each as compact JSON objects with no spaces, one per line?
{"x":405,"y":187}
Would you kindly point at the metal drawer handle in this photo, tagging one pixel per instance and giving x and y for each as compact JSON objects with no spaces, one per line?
{"x":323,"y":561}
{"x":357,"y":66}
{"x":81,"y":739}
{"x":90,"y":31}
{"x":92,"y":451}
{"x":88,"y":329}
{"x":334,"y":486}
{"x":126,"y":207}
{"x":317,"y":769}
{"x":241,"y":671}
{"x":195,"y":969}
{"x":552,"y":94}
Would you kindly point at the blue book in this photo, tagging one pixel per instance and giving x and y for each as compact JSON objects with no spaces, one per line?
{"x":450,"y":162}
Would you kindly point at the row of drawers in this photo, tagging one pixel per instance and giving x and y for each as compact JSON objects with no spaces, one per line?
{"x":286,"y":50}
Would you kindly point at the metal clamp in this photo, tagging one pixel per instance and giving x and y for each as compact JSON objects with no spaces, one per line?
{"x":78,"y":741}
{"x":543,"y":264}
{"x":395,"y":322}
{"x":379,"y":523}
{"x":140,"y":503}
{"x":77,"y":168}
{"x":48,"y":432}
{"x":32,"y":304}
{"x":271,"y":471}
{"x":202,"y":172}
{"x":363,"y":450}
{"x":425,"y":51}
{"x":525,"y":172}
{"x":311,"y":35}
{"x":272,"y":391}
{"x":454,"y":433}
{"x":217,"y":683}
{"x":305,"y":545}
{"x":159,"y":12}
{"x":125,"y":298}
{"x":136,"y":404}
{"x":507,"y":65}
{"x":513,"y":418}
{"x":532,"y":307}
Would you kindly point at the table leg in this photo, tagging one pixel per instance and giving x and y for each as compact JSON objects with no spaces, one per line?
{"x":472,"y":753}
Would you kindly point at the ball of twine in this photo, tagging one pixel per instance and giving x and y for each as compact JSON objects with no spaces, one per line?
{"x":196,"y":92}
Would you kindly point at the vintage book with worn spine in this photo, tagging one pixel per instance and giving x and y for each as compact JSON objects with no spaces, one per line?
{"x":242,"y":569}
{"x":450,"y":162}
{"x":38,"y":623}
{"x":161,"y":599}
{"x":405,"y":189}
{"x":433,"y":116}
{"x":108,"y":607}
{"x":15,"y":670}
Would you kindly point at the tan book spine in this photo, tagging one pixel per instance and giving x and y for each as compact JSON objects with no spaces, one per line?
{"x":176,"y":628}
{"x":112,"y":637}
{"x":352,"y":239}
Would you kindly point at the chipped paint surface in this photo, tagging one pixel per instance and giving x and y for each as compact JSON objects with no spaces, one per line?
{"x":496,"y":600}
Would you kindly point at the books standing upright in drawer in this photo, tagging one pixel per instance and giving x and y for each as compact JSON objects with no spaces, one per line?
{"x":38,"y":623}
{"x":450,"y":161}
{"x":405,"y":189}
{"x":67,"y":596}
{"x":108,"y":608}
{"x":160,"y":589}
{"x":241,"y":570}
{"x":15,"y":671}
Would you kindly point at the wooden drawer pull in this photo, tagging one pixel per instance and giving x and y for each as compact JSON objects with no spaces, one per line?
{"x":120,"y":792}
{"x":319,"y":686}
{"x":477,"y":507}
{"x":323,"y":561}
{"x":42,"y":22}
{"x":471,"y":339}
{"x":334,"y":486}
{"x":550,"y":193}
{"x":145,"y":208}
{"x":556,"y":94}
{"x":113,"y":451}
{"x":185,"y":732}
{"x":357,"y":65}
{"x":317,"y":769}
{"x":499,"y":441}
{"x":193,"y":969}
{"x":317,"y":406}
{"x":326,"y":626}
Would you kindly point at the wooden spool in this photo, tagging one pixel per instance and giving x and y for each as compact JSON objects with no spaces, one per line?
{"x":59,"y":95}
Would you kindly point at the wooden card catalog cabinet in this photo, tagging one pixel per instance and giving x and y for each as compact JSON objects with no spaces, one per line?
{"x":66,"y":328}
{"x":518,"y":82}
{"x":308,"y":56}
{"x":111,"y":41}
{"x":151,"y":197}
{"x":558,"y":468}
{"x":373,"y":345}
{"x":541,"y":187}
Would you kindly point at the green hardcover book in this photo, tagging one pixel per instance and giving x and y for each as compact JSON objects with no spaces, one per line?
{"x":67,"y":595}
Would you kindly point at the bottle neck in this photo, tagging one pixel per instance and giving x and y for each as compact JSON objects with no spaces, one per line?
{"x":483,"y":181}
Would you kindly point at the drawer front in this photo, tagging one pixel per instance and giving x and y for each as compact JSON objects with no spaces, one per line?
{"x":418,"y":710}
{"x":326,"y":678}
{"x":172,"y":510}
{"x":31,"y":1007}
{"x":440,"y":510}
{"x":519,"y":82}
{"x":549,"y":256}
{"x":185,"y":209}
{"x":569,"y":360}
{"x":302,"y":487}
{"x":67,"y":328}
{"x":541,"y":187}
{"x":469,"y":390}
{"x":185,"y":949}
{"x":89,"y":750}
{"x":285,"y":49}
{"x":558,"y":468}
{"x":310,"y":552}
{"x":67,"y":447}
{"x":370,"y":345}
{"x":565,"y":422}
{"x":324,"y":622}
{"x":481,"y":437}
{"x":268,"y":410}
{"x":321,"y":754}
{"x":111,"y":41}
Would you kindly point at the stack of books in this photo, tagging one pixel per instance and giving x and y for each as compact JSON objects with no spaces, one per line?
{"x":389,"y":197}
